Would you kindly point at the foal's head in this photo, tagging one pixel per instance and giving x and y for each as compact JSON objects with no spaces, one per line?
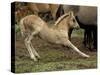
{"x":67,"y":20}
{"x":71,"y":21}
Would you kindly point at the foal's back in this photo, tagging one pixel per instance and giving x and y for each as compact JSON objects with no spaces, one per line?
{"x":33,"y":22}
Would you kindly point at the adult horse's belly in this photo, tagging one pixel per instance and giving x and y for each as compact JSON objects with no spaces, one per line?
{"x":88,"y":15}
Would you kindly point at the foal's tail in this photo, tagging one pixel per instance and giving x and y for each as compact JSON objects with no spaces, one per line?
{"x":22,"y":28}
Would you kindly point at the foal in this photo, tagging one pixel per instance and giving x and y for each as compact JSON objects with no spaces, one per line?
{"x":57,"y":34}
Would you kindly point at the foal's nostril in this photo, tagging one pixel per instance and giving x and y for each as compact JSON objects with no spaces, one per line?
{"x":77,"y":27}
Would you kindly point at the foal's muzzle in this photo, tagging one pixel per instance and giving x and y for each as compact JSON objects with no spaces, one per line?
{"x":76,"y":27}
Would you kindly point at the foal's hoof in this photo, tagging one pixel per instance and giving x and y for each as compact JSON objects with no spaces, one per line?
{"x":86,"y":56}
{"x":34,"y":59}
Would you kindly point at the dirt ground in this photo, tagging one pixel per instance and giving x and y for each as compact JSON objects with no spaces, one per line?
{"x":53,"y":57}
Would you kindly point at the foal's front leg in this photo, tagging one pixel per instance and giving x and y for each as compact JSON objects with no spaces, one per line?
{"x":69,"y":44}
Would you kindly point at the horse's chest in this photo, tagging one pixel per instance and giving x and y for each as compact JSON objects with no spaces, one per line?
{"x":60,"y":37}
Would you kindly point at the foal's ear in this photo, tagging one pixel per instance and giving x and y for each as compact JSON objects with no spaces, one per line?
{"x":71,"y":13}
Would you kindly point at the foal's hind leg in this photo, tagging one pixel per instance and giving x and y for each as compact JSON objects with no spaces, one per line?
{"x":69,"y":44}
{"x":29,"y":46}
{"x":34,"y":51}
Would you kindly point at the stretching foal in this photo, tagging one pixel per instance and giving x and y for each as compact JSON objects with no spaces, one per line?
{"x":57,"y":34}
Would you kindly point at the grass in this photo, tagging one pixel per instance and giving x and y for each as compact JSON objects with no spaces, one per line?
{"x":78,"y":32}
{"x":17,"y":28}
{"x":54,"y":61}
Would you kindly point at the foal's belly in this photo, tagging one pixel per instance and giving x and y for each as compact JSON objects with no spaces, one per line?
{"x":53,"y":36}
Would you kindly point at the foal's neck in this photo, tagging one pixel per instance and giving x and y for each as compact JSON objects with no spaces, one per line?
{"x":62,"y":26}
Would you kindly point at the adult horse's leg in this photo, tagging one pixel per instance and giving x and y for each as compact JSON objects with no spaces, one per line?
{"x":59,"y":12}
{"x":69,"y":33}
{"x":69,"y":44}
{"x":85,"y":37}
{"x":95,"y":38}
{"x":90,"y":39}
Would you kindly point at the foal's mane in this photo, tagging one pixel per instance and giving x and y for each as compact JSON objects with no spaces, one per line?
{"x":60,"y":19}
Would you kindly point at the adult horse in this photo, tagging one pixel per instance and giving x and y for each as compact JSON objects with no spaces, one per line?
{"x":48,"y":9}
{"x":90,"y":25}
{"x":38,"y":7}
{"x":41,"y":9}
{"x":24,"y":9}
{"x":33,"y":25}
{"x":56,"y":10}
{"x":87,"y":19}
